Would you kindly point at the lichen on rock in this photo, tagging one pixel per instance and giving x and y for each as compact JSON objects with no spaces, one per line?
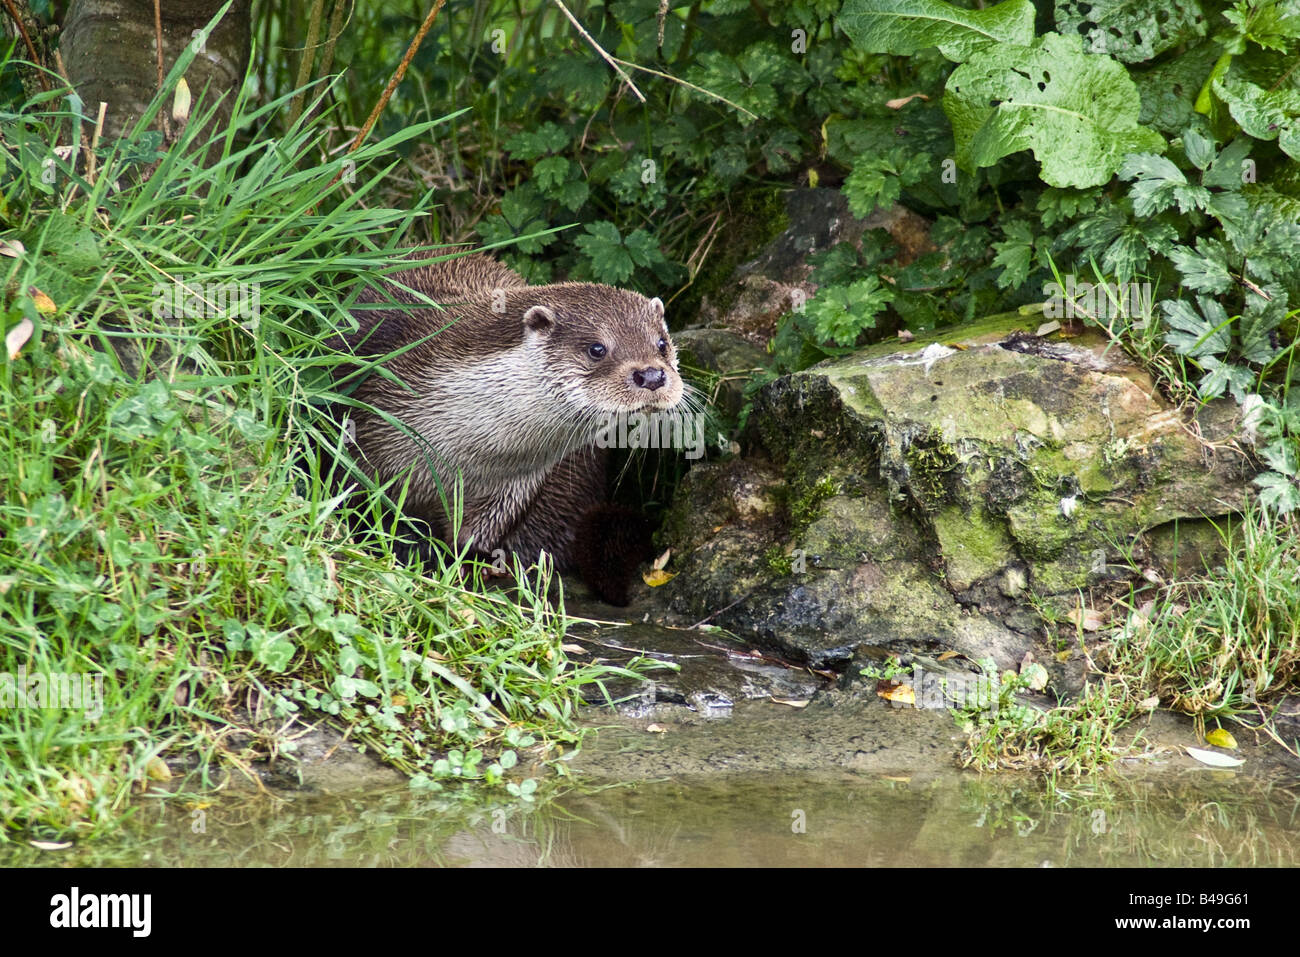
{"x":915,"y":497}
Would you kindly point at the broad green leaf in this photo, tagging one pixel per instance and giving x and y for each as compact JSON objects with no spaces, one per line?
{"x":1194,"y":334}
{"x":1278,"y":492}
{"x":550,"y":173}
{"x":611,"y":261}
{"x":1077,"y":113}
{"x":904,"y":27}
{"x":1015,"y":255}
{"x":1169,"y":90}
{"x":1160,"y":184}
{"x":1264,"y":114}
{"x":1206,"y":269}
{"x":1270,"y":25}
{"x":1132,"y":31}
{"x":1226,"y":171}
{"x":530,"y":144}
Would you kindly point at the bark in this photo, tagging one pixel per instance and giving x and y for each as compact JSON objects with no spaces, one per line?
{"x":110,"y":52}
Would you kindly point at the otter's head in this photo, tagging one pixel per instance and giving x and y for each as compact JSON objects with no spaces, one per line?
{"x":608,"y":349}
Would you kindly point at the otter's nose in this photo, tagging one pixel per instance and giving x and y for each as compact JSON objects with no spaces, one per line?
{"x":652,"y":378}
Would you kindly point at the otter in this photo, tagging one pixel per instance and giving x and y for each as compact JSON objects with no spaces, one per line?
{"x":500,"y":395}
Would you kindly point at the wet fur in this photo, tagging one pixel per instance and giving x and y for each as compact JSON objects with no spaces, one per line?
{"x":502,"y":396}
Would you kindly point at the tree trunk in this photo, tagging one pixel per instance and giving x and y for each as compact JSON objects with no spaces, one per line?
{"x":110,"y":50}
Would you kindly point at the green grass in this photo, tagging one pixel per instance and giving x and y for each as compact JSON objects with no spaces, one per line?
{"x":1224,"y":644}
{"x":156,"y":530}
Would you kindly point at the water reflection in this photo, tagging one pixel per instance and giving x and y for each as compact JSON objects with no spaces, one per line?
{"x":1170,"y":819}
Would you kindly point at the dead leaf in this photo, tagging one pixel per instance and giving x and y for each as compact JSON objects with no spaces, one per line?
{"x":791,"y":702}
{"x":1214,"y":759}
{"x":399,"y":701}
{"x":17,"y":337}
{"x":1047,"y":328}
{"x":902,"y":101}
{"x":573,"y":649}
{"x":1149,"y":704}
{"x":181,"y":101}
{"x":903,"y":694}
{"x":50,"y":845}
{"x":906,"y":335}
{"x":44,"y":304}
{"x":1221,"y":738}
{"x":948,"y":654}
{"x":659,"y":563}
{"x":12,"y":248}
{"x":656,"y":729}
{"x":1089,"y":619}
{"x":901,"y":779}
{"x":658,"y":577}
{"x":156,"y":768}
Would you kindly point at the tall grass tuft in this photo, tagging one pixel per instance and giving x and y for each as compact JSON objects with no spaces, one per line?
{"x":157,"y":532}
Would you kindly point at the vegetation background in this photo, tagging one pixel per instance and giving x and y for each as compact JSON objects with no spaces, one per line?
{"x":158,"y":528}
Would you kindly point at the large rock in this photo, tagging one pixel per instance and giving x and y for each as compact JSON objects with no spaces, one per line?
{"x":916,"y":496}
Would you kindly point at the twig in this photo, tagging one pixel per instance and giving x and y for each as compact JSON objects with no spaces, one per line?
{"x":612,"y":61}
{"x":158,"y":45}
{"x":697,"y":89}
{"x":31,"y":47}
{"x":94,"y":143}
{"x":392,"y":84}
{"x":705,"y":620}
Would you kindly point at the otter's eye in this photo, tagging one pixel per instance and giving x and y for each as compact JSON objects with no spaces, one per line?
{"x":596,"y":350}
{"x":663,"y":346}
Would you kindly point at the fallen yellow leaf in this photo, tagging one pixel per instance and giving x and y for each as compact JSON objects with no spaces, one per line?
{"x":903,"y":694}
{"x":44,"y":304}
{"x":658,"y":577}
{"x":1220,"y":738}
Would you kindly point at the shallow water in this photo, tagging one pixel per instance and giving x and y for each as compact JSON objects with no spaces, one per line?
{"x":1162,"y":819}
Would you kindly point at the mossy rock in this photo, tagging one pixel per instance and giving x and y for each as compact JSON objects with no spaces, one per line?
{"x":911,"y":485}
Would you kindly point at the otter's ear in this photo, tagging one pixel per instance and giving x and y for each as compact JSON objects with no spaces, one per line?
{"x":657,"y":306}
{"x":539,"y":318}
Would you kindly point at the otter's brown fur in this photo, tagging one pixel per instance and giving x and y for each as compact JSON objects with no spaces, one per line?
{"x":500,"y":394}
